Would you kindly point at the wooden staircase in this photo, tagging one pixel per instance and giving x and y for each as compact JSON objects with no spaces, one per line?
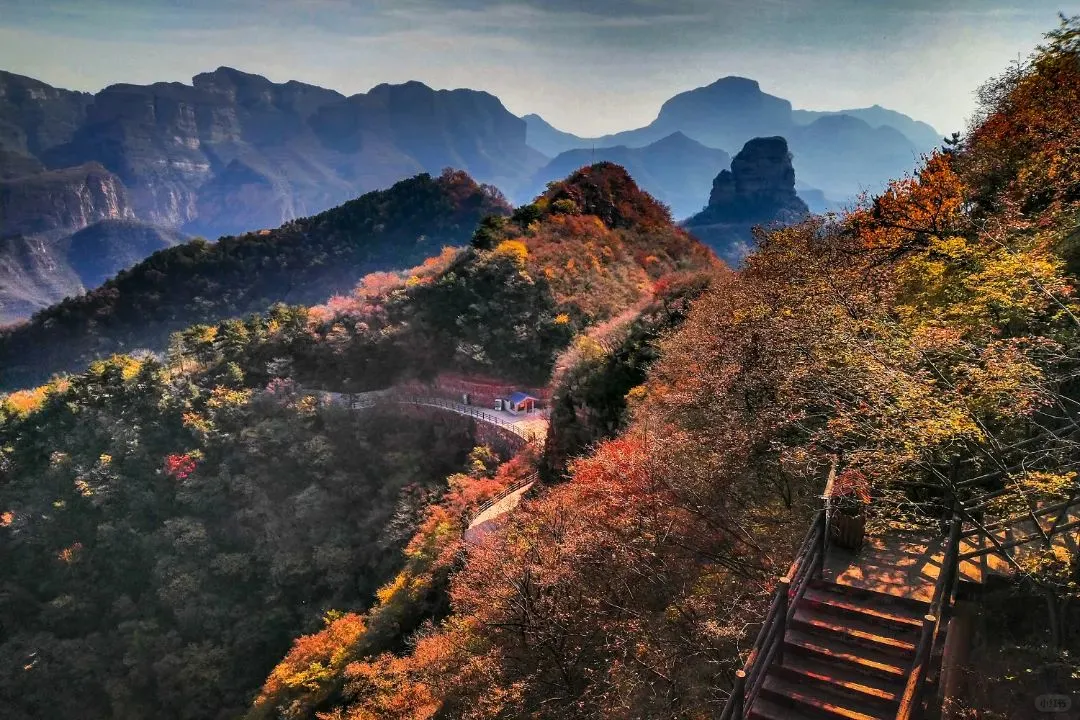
{"x":846,"y":653}
{"x":840,"y":650}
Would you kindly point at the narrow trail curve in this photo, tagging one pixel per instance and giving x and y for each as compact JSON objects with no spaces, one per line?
{"x":526,"y":429}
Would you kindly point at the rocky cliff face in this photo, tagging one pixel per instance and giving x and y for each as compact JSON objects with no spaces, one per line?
{"x":68,"y":199}
{"x":759,"y":189}
{"x":35,"y":117}
{"x":40,"y":270}
{"x":760,"y":186}
{"x":234,"y":152}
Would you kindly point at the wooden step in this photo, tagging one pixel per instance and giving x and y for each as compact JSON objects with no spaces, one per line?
{"x":863,"y":595}
{"x":812,"y":702}
{"x":855,"y":631}
{"x":873,"y":610}
{"x":766,"y":709}
{"x":834,"y":650}
{"x":834,"y":678}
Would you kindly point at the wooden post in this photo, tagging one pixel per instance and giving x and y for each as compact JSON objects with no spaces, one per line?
{"x":738,"y":694}
{"x":954,"y":658}
{"x":823,"y":541}
{"x":781,"y":618}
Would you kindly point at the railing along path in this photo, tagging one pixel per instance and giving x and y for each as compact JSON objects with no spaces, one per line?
{"x":768,"y":646}
{"x":372,"y":398}
{"x":369,"y":399}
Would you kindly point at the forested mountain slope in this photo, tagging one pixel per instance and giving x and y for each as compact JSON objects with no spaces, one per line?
{"x":304,"y":261}
{"x":168,"y":525}
{"x":922,"y":332}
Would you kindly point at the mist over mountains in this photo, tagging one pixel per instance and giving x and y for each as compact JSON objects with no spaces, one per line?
{"x":234,"y":152}
{"x":840,"y":152}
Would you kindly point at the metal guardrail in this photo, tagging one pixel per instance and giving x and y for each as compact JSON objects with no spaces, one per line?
{"x":369,"y":399}
{"x":359,"y":401}
{"x":527,"y":480}
{"x":469,"y":410}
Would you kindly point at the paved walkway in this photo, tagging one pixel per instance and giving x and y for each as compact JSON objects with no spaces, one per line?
{"x":485,"y":521}
{"x":528,"y":426}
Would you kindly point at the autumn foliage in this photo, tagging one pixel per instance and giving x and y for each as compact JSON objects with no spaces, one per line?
{"x":914,"y":341}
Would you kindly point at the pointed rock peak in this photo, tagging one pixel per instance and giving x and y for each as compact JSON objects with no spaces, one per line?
{"x":760,"y":185}
{"x":676,"y":138}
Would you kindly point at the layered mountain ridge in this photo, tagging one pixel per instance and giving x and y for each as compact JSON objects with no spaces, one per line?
{"x":303,"y":261}
{"x":234,"y":152}
{"x":840,"y":152}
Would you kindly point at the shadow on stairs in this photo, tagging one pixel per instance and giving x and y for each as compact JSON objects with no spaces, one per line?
{"x":846,"y":653}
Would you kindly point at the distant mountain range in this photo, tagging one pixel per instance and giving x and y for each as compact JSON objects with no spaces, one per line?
{"x":234,"y":152}
{"x":675,"y":170}
{"x":839,"y":152}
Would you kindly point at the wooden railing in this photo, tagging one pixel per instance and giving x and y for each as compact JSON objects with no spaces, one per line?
{"x":769,"y":645}
{"x":911,"y":700}
{"x":1035,"y":516}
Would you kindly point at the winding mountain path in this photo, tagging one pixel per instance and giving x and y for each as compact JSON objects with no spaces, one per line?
{"x":524,"y":428}
{"x":528,"y":428}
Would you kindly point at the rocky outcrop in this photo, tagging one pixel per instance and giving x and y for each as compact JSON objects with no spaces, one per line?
{"x":68,"y":199}
{"x":842,"y":153}
{"x":759,"y":189}
{"x":35,"y":117}
{"x":40,"y":270}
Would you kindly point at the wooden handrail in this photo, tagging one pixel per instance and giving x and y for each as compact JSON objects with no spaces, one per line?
{"x":1016,"y":543}
{"x":809,"y":560}
{"x":1046,"y":510}
{"x":910,"y":700}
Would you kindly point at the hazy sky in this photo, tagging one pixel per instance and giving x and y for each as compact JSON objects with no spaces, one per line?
{"x":588,"y":66}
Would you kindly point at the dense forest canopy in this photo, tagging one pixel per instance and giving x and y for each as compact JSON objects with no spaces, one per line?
{"x":170,"y":523}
